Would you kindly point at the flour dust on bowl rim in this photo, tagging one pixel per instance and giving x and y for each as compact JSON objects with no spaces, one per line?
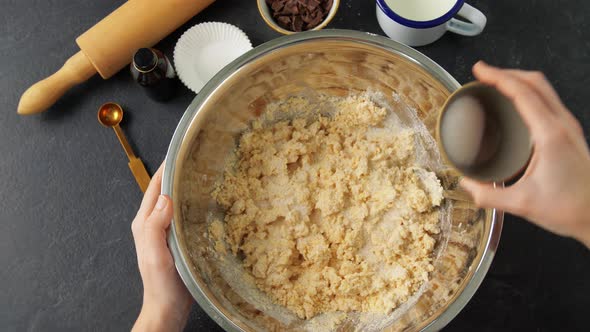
{"x":333,"y":63}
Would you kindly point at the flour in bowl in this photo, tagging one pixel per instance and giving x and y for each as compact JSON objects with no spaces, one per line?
{"x":331,"y":213}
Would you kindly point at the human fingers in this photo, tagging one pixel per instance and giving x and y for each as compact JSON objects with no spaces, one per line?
{"x":151,"y":194}
{"x":539,"y":82}
{"x":146,"y":207}
{"x":485,"y":195}
{"x":154,"y":230}
{"x":531,"y":107}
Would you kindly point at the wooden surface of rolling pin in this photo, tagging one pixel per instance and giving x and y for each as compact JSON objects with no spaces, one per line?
{"x":109,"y":45}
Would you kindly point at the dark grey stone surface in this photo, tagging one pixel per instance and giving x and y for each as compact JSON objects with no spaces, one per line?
{"x":67,"y":197}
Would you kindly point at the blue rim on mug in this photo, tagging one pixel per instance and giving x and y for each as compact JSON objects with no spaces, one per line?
{"x":420,"y":24}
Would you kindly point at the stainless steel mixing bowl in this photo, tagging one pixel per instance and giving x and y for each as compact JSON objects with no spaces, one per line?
{"x":335,"y":63}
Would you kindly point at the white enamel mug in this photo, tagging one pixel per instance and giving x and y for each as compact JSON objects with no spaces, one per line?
{"x":421,"y":22}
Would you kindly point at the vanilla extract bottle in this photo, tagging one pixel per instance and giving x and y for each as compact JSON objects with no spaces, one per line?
{"x":152,"y":70}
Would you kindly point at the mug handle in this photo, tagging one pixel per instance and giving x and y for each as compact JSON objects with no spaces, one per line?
{"x":478,"y":21}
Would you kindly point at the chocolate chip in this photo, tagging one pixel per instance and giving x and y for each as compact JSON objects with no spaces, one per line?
{"x":297,"y":23}
{"x":277,"y":6}
{"x":315,"y":21}
{"x":299,"y":15}
{"x":284,"y":21}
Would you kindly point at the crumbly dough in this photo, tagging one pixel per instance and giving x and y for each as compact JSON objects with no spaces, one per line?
{"x":331,"y":213}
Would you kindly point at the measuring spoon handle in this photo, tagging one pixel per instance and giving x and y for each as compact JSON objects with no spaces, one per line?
{"x":124,"y":142}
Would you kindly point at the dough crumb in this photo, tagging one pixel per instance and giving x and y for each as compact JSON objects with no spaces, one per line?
{"x":331,"y":213}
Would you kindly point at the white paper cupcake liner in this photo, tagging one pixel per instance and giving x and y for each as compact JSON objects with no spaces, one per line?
{"x":203,"y":50}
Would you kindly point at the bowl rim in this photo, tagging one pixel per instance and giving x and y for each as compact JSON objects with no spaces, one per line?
{"x":265,"y":14}
{"x":410,"y":54}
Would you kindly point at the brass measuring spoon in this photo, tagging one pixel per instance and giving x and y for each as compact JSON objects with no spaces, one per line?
{"x":110,"y":115}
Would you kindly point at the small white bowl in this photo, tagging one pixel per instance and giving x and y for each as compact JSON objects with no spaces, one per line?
{"x":266,"y":14}
{"x":203,"y":50}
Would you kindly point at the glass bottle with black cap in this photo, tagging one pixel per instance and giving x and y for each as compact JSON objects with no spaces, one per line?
{"x":153,"y":71}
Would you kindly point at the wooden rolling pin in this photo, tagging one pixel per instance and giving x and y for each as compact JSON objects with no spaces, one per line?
{"x":109,"y":45}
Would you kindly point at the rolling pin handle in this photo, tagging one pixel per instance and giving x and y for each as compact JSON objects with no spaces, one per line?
{"x":45,"y":93}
